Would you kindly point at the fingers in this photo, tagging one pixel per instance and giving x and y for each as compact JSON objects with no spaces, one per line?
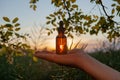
{"x":44,"y":55}
{"x":67,"y":59}
{"x":49,"y":56}
{"x":52,"y":57}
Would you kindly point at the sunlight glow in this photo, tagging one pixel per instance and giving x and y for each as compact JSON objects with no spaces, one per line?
{"x":61,"y":48}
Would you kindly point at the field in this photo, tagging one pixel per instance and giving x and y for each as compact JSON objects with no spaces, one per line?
{"x":25,"y":68}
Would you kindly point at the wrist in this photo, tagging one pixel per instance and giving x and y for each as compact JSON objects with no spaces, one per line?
{"x":80,"y":59}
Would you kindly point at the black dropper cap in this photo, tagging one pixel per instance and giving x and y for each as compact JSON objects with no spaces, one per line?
{"x":61,"y":29}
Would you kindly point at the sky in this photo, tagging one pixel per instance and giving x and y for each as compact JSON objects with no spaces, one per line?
{"x":29,"y":18}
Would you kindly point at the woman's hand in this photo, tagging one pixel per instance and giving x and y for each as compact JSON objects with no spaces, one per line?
{"x":70,"y":59}
{"x":79,"y":59}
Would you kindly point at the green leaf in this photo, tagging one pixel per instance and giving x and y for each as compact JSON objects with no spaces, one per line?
{"x":68,"y":4}
{"x":10,"y":29}
{"x":80,"y":30}
{"x":87,"y":17}
{"x":113,"y":11}
{"x":54,"y":24}
{"x":95,"y":16}
{"x":6,"y":19}
{"x":25,"y":45}
{"x":34,"y":7}
{"x":70,"y":35}
{"x":17,"y":34}
{"x":35,"y":59}
{"x":31,"y":6}
{"x":48,"y":33}
{"x":47,"y":29}
{"x":15,"y":20}
{"x":52,"y":15}
{"x":8,"y":25}
{"x":53,"y":20}
{"x":33,"y":1}
{"x":17,"y":29}
{"x":52,"y":1}
{"x":48,"y":22}
{"x":17,"y":24}
{"x":92,"y":32}
{"x":95,"y":27}
{"x":75,"y":6}
{"x":54,"y":29}
{"x":73,"y":1}
{"x":48,"y":17}
{"x":97,"y":2}
{"x":113,"y":5}
{"x":10,"y":33}
{"x":58,"y":17}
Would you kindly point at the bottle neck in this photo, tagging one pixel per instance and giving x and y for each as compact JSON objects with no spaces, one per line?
{"x":60,"y":33}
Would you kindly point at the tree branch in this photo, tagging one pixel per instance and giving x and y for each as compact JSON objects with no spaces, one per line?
{"x":68,"y":11}
{"x":103,"y":7}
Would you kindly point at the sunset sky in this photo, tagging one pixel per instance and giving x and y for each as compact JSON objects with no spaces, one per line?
{"x":29,"y":18}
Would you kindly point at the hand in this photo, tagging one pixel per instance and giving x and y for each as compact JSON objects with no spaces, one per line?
{"x":77,"y":58}
{"x":70,"y":58}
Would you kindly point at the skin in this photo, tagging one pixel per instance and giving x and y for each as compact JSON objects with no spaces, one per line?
{"x":79,"y":59}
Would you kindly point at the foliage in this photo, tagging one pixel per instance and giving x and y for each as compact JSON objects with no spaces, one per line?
{"x":73,"y":18}
{"x":76,"y":21}
{"x":109,"y":58}
{"x":25,"y":68}
{"x":10,"y":40}
{"x":33,"y":4}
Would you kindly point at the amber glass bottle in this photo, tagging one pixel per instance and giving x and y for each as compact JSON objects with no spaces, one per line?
{"x":61,"y":40}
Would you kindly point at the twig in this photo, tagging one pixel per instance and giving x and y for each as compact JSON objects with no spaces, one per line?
{"x":77,"y":44}
{"x":103,"y":7}
{"x":71,"y":45}
{"x":68,"y":11}
{"x":92,"y":8}
{"x":99,"y":10}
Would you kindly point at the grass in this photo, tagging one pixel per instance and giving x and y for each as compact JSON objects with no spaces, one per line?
{"x":24,"y":68}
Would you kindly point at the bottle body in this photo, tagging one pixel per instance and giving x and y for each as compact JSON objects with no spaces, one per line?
{"x":61,"y":44}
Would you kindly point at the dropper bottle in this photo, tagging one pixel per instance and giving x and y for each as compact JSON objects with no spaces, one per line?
{"x":61,"y":40}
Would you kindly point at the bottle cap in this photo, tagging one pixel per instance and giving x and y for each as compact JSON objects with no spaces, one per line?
{"x":61,"y":28}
